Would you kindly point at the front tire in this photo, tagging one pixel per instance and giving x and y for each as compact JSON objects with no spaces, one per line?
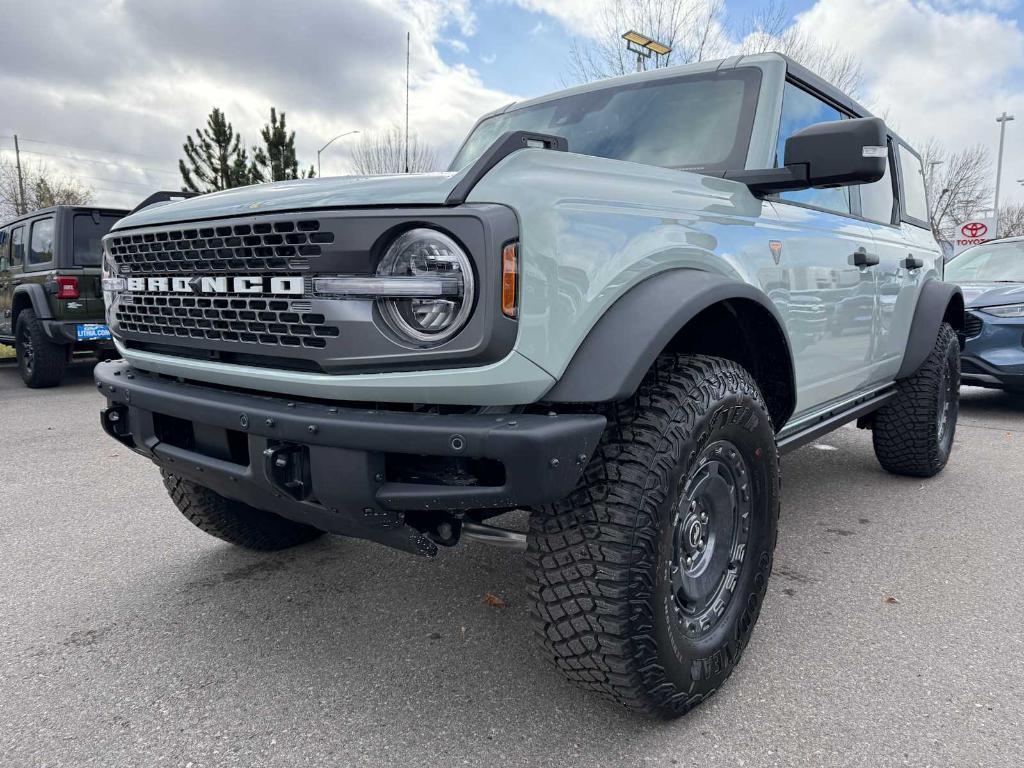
{"x":235,"y":522}
{"x":647,"y":581}
{"x":40,"y":360}
{"x":913,"y":433}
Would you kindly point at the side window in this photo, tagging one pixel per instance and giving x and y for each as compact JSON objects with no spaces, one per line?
{"x":41,"y":248}
{"x":915,"y":200}
{"x":17,"y":246}
{"x":799,"y":110}
{"x":877,"y":200}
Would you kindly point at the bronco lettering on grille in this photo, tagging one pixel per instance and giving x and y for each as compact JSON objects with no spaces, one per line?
{"x":287,"y":286}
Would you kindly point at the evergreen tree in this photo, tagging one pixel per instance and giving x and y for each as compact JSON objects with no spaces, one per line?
{"x":216,"y":159}
{"x":275,"y":160}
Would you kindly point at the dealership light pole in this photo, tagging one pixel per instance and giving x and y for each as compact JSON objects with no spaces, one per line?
{"x":643,"y":47}
{"x":325,"y":146}
{"x":1003,"y":119}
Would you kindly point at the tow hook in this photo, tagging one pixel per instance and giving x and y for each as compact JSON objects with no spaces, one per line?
{"x":287,"y":466}
{"x":114,"y":421}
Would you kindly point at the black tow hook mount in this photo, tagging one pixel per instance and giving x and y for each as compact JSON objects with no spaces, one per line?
{"x":114,"y":421}
{"x":287,"y":466}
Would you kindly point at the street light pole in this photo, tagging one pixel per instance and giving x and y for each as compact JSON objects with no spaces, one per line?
{"x":325,"y":146}
{"x":1003,"y":119}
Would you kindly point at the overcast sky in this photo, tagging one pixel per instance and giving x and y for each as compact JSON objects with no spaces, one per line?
{"x":109,"y":89}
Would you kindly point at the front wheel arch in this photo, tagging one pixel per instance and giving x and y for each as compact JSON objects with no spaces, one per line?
{"x":686,"y":311}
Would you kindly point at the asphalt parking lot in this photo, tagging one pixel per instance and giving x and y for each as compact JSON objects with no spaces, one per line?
{"x":890,"y":636}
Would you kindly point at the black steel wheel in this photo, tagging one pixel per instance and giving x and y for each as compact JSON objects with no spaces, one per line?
{"x":710,"y":530}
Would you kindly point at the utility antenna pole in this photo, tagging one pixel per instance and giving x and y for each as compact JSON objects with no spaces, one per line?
{"x":21,"y":180}
{"x":406,"y":102}
{"x":1003,"y":119}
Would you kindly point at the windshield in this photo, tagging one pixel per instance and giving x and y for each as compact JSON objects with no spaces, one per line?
{"x":88,"y":233}
{"x":699,"y":122}
{"x":992,"y":262}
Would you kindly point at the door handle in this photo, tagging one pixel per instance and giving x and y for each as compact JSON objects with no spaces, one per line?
{"x":912,"y":262}
{"x":861,"y":258}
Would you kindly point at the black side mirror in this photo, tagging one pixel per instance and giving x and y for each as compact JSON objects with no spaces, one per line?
{"x":833,"y":154}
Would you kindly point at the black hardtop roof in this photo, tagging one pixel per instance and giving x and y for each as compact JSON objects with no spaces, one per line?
{"x":54,"y":208}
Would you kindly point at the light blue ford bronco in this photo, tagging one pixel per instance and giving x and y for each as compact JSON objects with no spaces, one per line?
{"x":617,"y":309}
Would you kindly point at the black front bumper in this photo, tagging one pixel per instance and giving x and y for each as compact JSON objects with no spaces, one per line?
{"x":345,"y":470}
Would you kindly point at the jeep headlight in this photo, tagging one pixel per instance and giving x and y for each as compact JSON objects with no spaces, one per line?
{"x":437,"y":279}
{"x":1007,"y":310}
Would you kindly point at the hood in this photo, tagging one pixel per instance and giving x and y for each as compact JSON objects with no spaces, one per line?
{"x":992,"y":294}
{"x":301,"y":194}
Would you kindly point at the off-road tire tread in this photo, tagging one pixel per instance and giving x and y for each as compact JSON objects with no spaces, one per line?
{"x":903,"y":432}
{"x":50,"y":358}
{"x":233,"y":521}
{"x":591,"y":557}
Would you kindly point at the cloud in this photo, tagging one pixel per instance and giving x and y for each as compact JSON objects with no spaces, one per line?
{"x":934,"y":71}
{"x":138,"y":77}
{"x":577,"y":16}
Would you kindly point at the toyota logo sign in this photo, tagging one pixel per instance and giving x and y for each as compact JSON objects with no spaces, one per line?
{"x":974,"y":230}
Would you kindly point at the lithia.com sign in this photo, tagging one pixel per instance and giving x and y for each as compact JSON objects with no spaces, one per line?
{"x":973,"y":232}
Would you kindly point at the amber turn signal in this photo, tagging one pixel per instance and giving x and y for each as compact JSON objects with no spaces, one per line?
{"x":510,"y":280}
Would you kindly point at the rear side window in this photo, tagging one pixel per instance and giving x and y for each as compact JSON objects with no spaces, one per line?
{"x":915,"y":200}
{"x":877,"y":200}
{"x":801,"y":109}
{"x":41,"y":247}
{"x":89,"y":230}
{"x":17,"y":246}
{"x":5,"y":250}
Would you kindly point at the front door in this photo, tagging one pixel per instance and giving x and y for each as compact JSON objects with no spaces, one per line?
{"x":825,"y":284}
{"x":826,"y":300}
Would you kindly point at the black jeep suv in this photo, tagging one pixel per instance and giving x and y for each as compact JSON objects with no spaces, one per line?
{"x":51,"y":303}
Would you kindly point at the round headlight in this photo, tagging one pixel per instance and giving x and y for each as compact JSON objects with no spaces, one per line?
{"x":428,"y":319}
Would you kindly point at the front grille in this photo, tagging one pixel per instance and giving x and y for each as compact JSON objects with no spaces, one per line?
{"x":972,"y":325}
{"x":242,"y":319}
{"x":267,"y":246}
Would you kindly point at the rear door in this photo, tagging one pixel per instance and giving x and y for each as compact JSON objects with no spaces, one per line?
{"x":6,"y":288}
{"x":16,"y":266}
{"x":827,"y":301}
{"x":897,"y":212}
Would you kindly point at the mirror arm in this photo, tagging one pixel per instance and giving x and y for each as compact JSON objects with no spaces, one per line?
{"x":765,"y":181}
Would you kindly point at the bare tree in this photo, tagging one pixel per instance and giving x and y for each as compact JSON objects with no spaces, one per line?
{"x":696,"y":30}
{"x":957,"y":182}
{"x":384,"y":152}
{"x":691,"y":28}
{"x":43,"y":188}
{"x":1011,"y":220}
{"x":768,"y":29}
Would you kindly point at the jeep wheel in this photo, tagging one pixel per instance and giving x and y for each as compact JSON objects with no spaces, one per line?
{"x":647,"y":581}
{"x":41,"y":361}
{"x":233,"y":521}
{"x":913,"y":432}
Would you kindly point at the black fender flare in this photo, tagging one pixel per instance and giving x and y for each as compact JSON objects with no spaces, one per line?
{"x":36,"y":297}
{"x":938,"y":301}
{"x":621,"y":347}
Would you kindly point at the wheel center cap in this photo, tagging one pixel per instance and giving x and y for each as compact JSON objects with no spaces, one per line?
{"x":693,"y":534}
